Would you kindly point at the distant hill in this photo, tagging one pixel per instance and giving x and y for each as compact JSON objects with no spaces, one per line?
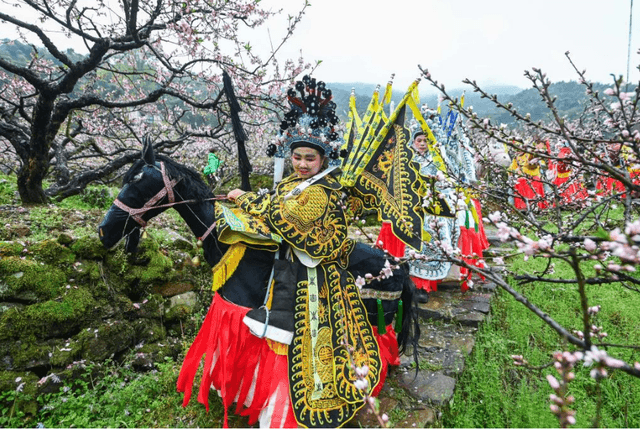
{"x":571,"y":102}
{"x":571,"y":95}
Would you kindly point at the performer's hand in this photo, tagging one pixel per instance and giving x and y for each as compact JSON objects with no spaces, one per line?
{"x":234,"y":194}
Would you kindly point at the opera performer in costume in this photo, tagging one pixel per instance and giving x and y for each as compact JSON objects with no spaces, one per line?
{"x":451,"y":155}
{"x":459,"y":158}
{"x":569,"y":185}
{"x":427,"y":273}
{"x":291,"y":362}
{"x":606,"y":184}
{"x":529,"y":188}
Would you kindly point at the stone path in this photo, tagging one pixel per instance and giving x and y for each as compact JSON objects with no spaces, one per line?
{"x":448,"y":323}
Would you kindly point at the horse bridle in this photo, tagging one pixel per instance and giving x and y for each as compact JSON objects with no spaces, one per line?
{"x":137,"y":213}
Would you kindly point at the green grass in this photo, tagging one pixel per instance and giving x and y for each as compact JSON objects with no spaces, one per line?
{"x":492,"y":392}
{"x":121,"y":398}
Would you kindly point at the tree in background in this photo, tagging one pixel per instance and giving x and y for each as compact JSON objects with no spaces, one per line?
{"x":588,"y":168}
{"x":152,"y":68}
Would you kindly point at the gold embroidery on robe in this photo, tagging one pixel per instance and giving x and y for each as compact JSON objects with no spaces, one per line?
{"x":342,"y":318}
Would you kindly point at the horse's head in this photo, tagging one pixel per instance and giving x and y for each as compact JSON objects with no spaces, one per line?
{"x":145,"y":186}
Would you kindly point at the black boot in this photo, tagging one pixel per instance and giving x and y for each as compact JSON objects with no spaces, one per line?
{"x":277,"y":323}
{"x":421,"y":295}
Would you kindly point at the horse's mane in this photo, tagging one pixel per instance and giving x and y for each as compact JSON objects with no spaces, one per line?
{"x":189,"y":178}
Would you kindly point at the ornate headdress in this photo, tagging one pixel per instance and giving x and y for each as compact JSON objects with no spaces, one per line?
{"x":310,"y":122}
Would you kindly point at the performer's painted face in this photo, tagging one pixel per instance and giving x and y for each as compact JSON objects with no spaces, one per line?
{"x":420,"y":144}
{"x":307,"y":162}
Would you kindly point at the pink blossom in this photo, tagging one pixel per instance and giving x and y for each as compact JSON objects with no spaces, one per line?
{"x":633,"y":228}
{"x":553,"y":382}
{"x":617,"y":236}
{"x":504,"y":232}
{"x":495,"y":216}
{"x":555,"y":399}
{"x":589,"y":245}
{"x":361,"y":384}
{"x":387,"y":272}
{"x":626,"y":96}
{"x":594,"y":310}
{"x":614,"y":267}
{"x":360,"y":282}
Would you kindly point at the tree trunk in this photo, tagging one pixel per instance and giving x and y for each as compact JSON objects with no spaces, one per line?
{"x":30,"y":177}
{"x":35,"y":167}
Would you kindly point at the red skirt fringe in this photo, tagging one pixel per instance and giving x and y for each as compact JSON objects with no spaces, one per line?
{"x":240,"y":366}
{"x":530,"y":189}
{"x":243,"y":369}
{"x":609,"y":185}
{"x":389,"y":355}
{"x":472,"y":244}
{"x":572,"y":192}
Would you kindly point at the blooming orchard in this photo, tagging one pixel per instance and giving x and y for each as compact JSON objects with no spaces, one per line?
{"x":151,"y":69}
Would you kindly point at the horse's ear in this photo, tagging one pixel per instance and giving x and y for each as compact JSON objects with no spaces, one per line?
{"x":147,"y":151}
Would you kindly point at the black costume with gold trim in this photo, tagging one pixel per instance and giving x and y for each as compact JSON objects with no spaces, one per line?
{"x":329,"y":316}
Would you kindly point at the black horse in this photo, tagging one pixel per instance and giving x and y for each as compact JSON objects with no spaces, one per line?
{"x":155,"y":183}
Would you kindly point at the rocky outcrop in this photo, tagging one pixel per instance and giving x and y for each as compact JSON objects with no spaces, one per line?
{"x":67,"y":302}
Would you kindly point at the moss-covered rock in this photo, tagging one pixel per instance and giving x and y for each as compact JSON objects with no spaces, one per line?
{"x":148,"y":330}
{"x":31,"y":353}
{"x":89,"y":247}
{"x":150,"y":354}
{"x":54,"y":318}
{"x":150,"y":308}
{"x":29,"y":280}
{"x":106,"y":340}
{"x":171,"y":289}
{"x":180,"y":307}
{"x":51,"y":252}
{"x":10,"y":249}
{"x":24,"y":385}
{"x":136,"y":275}
{"x":65,"y":239}
{"x":5,"y":306}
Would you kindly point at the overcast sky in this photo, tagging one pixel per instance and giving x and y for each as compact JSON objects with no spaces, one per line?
{"x":491,"y":41}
